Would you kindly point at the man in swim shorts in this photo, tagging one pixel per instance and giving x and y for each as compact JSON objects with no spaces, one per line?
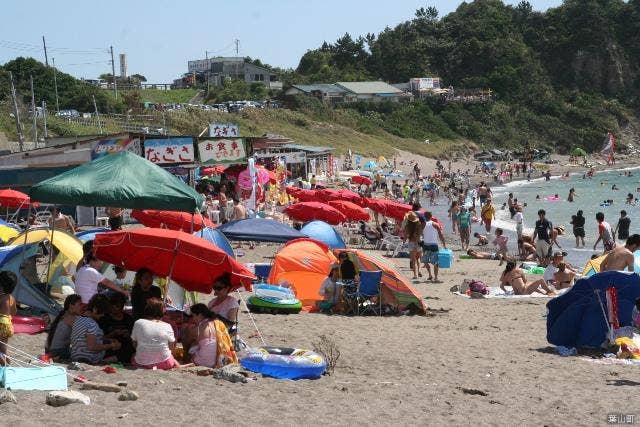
{"x":542,"y":232}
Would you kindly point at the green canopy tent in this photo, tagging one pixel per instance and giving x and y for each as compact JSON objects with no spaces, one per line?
{"x":579,"y":152}
{"x":123,"y":180}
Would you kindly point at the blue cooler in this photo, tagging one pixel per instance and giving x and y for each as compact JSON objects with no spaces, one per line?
{"x":445,"y":258}
{"x":262,"y":270}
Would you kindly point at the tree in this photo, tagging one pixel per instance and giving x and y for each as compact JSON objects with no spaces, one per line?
{"x":138,"y":77}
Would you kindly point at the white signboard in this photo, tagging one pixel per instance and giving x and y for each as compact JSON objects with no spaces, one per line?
{"x":214,"y":151}
{"x":170,"y":150}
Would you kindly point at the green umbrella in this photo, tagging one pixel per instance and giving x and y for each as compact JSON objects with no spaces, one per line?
{"x":579,"y":152}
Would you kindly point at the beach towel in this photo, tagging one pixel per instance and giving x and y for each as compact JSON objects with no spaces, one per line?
{"x":496,"y":292}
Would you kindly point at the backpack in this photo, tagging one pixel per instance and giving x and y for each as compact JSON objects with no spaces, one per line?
{"x":478,"y":286}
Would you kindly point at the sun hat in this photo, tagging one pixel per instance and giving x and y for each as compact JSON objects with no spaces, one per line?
{"x":412,"y":217}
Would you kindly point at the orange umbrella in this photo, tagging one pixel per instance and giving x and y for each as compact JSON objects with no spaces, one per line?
{"x":352,"y":211}
{"x":309,"y":211}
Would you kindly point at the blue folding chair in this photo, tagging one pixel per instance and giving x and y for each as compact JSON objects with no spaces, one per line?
{"x":369,"y":288}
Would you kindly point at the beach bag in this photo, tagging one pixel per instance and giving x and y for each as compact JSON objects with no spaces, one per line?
{"x":478,"y":286}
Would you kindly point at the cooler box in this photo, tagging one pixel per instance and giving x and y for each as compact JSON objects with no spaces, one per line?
{"x":44,"y":378}
{"x":445,"y":258}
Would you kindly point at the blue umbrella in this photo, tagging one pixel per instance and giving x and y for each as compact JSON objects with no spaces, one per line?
{"x":216,"y":237}
{"x":86,"y":235}
{"x":370,"y":165}
{"x":320,"y":230}
{"x":576,"y":318}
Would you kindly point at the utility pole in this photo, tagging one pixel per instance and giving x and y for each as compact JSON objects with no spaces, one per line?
{"x":113,"y":74}
{"x":55,"y":84}
{"x":16,"y":114}
{"x":46,"y":59}
{"x":95,"y":108}
{"x":44,"y":117}
{"x":206,"y":57}
{"x":237,"y":56}
{"x":33,"y":112}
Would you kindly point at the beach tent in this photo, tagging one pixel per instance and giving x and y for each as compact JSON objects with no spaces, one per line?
{"x":68,"y":244}
{"x":7,"y":233}
{"x":123,"y":180}
{"x":576,"y":318}
{"x":488,"y":165}
{"x":593,"y":266}
{"x":216,"y":237}
{"x":303,"y":264}
{"x":320,"y":230}
{"x":396,"y":291}
{"x":578,"y":152}
{"x":370,"y":165}
{"x":259,"y":230}
{"x":21,"y":260}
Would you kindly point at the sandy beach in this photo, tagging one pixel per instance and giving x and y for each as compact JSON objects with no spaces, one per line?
{"x":484,"y":361}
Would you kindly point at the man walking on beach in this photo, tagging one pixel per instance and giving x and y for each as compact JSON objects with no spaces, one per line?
{"x":604,"y":233}
{"x":60,"y":221}
{"x":542,"y":232}
{"x":431,"y":234}
{"x":488,"y":214}
{"x":622,"y":256}
{"x":115,"y":218}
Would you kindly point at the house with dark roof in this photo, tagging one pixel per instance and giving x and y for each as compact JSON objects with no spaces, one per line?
{"x":325,"y":92}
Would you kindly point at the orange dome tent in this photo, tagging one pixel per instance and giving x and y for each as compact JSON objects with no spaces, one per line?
{"x":303,"y":264}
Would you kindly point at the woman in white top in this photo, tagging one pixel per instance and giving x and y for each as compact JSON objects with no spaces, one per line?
{"x":153,"y":339}
{"x":88,"y":277}
{"x":224,"y":304}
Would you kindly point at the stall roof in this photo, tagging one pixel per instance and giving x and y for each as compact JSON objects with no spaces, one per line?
{"x":308,"y":148}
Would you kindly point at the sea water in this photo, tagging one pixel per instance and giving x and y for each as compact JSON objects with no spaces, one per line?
{"x":590,"y":195}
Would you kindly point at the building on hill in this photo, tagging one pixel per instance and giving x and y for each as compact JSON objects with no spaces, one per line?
{"x":373,"y":91}
{"x":328,"y":93}
{"x":219,"y":69}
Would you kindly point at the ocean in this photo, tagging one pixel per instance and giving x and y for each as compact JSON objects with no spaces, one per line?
{"x":590,"y":195}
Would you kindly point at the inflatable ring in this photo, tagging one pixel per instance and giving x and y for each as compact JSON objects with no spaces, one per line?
{"x":284,"y":363}
{"x":552,"y":198}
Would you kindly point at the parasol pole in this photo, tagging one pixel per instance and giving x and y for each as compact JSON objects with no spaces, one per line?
{"x":53,"y":228}
{"x":173,"y":263}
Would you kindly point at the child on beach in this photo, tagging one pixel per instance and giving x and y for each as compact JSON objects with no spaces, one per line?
{"x":464,"y":226}
{"x":482,"y":240}
{"x":8,"y":281}
{"x":501,"y":244}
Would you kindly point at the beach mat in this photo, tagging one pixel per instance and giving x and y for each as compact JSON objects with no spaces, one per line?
{"x":496,"y":292}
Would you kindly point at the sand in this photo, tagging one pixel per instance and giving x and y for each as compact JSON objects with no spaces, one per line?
{"x":475,"y":361}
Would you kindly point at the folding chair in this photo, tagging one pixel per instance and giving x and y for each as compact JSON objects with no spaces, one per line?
{"x":369,"y":288}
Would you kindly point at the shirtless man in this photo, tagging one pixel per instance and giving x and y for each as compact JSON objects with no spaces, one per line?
{"x":239,"y":211}
{"x":622,"y":256}
{"x":60,"y":221}
{"x":115,"y":218}
{"x":563,"y":278}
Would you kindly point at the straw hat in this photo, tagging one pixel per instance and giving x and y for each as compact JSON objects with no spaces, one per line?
{"x":412,"y":217}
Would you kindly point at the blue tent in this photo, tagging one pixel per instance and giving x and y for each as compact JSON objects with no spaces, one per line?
{"x":370,"y":165}
{"x":488,"y":165}
{"x":216,"y":237}
{"x":259,"y":230}
{"x":86,"y":235}
{"x":576,"y":319}
{"x":21,"y":261}
{"x":320,"y":230}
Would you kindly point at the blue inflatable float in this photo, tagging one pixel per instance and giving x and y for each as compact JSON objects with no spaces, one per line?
{"x":284,"y":363}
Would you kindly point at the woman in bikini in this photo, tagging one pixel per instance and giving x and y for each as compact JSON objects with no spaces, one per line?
{"x":208,"y":342}
{"x":515,"y":278}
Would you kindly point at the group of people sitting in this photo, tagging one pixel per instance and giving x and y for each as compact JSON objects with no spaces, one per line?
{"x":101,"y":331}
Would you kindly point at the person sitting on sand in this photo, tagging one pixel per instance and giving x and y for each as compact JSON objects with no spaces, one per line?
{"x":59,"y":337}
{"x":526,"y":251}
{"x":501,"y":244}
{"x":207,"y":342}
{"x":622,"y":257}
{"x":143,"y":290}
{"x":515,"y":277}
{"x":564,"y":277}
{"x":117,"y":325}
{"x":330,"y":290}
{"x":153,"y":339}
{"x":482,"y":239}
{"x":87,"y":339}
{"x":223,"y":304}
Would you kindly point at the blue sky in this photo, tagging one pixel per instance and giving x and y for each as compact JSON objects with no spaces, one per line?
{"x":160,"y":36}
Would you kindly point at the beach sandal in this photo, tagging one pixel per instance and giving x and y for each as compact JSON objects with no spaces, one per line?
{"x":419,"y":274}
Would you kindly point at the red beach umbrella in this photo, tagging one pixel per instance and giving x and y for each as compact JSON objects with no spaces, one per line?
{"x":15,"y":199}
{"x":350,"y":196}
{"x":307,"y":196}
{"x":171,"y":220}
{"x":352,"y":211}
{"x":309,"y":211}
{"x":388,"y":208}
{"x":327,"y":194}
{"x":190,"y":261}
{"x":358,"y":179}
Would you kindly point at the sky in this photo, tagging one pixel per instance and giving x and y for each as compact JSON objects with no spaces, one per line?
{"x":160,"y":36}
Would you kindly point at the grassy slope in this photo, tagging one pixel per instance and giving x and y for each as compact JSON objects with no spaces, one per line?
{"x":175,"y":96}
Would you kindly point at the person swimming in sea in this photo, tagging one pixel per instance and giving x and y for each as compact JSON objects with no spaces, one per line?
{"x":572,"y":195}
{"x":614,"y":187}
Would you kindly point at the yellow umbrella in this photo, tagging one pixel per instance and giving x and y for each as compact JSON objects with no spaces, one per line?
{"x":593,"y":266}
{"x":7,"y":233}
{"x":66,"y":243}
